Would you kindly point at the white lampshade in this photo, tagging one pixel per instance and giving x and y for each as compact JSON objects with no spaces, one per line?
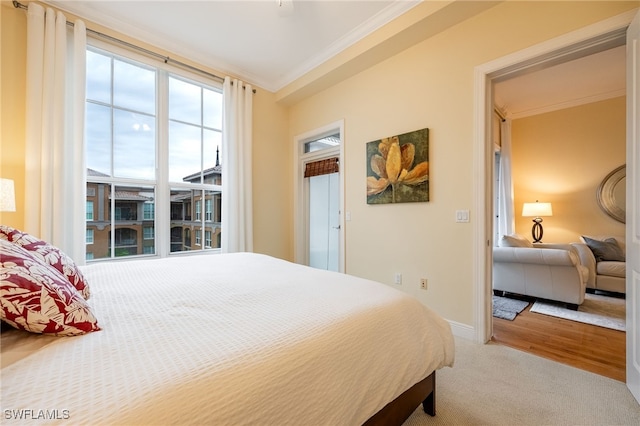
{"x":7,"y":196}
{"x":536,"y":209}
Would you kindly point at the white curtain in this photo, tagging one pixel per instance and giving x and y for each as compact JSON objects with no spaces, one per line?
{"x":237,"y":205}
{"x":55,"y":96}
{"x":506,"y":218}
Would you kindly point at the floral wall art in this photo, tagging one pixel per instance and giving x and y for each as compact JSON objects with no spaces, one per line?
{"x":398,"y":168}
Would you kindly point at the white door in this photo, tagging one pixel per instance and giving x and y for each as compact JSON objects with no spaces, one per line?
{"x":633,"y":207}
{"x":318,"y":221}
{"x":324,"y":221}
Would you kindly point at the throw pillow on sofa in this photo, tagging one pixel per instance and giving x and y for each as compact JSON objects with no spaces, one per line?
{"x":606,"y":250}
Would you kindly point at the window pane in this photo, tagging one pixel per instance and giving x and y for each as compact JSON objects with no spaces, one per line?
{"x":184,"y":101}
{"x":99,"y":194}
{"x":184,"y":153}
{"x":134,"y":143}
{"x":186,"y":219}
{"x":211,"y":152}
{"x":98,"y":77}
{"x":322,"y":143}
{"x":212,"y":109}
{"x":134,"y":87}
{"x":128,"y":221}
{"x":213,"y":226}
{"x":130,"y":236}
{"x":98,"y":138}
{"x":182,"y":204}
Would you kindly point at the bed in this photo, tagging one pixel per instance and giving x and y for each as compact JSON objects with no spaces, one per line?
{"x":229,"y":339}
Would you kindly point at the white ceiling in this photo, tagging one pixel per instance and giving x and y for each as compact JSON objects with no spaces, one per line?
{"x":271,"y":43}
{"x":592,"y":78}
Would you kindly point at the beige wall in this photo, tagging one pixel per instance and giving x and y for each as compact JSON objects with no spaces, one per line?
{"x":430,"y":85}
{"x":272,"y":185}
{"x":272,"y":193}
{"x":561,"y":157}
{"x":12,"y":92}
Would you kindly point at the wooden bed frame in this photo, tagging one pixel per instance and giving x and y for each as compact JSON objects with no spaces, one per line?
{"x":399,"y":410}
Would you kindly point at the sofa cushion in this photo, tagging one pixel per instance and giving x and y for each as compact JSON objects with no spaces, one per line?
{"x":607,"y":250}
{"x":612,"y":269}
{"x":514,"y":240}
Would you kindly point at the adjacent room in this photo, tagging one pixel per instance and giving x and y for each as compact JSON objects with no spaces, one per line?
{"x":304,"y":211}
{"x":564,"y":111}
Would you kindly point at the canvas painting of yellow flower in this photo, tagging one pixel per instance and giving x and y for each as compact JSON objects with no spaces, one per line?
{"x":398,"y":168}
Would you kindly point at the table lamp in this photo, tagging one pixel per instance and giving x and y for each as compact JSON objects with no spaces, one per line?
{"x":536,"y":210}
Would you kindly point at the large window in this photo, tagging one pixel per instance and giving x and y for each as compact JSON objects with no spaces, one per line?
{"x":153,"y":137}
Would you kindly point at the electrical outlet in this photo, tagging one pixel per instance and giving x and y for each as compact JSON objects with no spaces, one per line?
{"x":423,"y":283}
{"x":398,"y":278}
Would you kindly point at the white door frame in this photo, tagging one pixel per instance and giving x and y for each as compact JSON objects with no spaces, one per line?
{"x":633,"y":208}
{"x":300,"y":196}
{"x":561,"y":49}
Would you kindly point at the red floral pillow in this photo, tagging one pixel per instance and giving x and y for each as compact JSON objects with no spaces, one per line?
{"x":49,"y":254}
{"x":36,"y":297}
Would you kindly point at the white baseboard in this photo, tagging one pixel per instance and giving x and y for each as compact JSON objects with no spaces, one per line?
{"x":463,"y":330}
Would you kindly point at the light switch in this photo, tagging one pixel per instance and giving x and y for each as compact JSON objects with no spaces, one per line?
{"x":462,"y":216}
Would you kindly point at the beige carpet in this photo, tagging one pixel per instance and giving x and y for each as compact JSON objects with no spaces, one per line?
{"x":496,"y":385}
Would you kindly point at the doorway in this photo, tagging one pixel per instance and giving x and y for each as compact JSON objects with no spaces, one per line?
{"x":318,"y":193}
{"x":580,"y":43}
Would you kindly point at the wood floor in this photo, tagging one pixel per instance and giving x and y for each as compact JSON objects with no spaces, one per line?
{"x":588,"y":347}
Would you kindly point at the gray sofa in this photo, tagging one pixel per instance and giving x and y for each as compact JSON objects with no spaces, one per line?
{"x":545,"y":271}
{"x":604,"y":257}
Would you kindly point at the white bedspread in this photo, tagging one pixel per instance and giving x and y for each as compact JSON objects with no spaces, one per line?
{"x":229,"y":339}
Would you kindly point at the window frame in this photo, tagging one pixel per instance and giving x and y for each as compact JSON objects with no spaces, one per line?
{"x":161,"y":185}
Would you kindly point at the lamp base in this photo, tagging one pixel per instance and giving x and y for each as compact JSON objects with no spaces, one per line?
{"x":536,"y":230}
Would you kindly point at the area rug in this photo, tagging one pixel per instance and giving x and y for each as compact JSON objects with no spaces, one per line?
{"x":597,"y":309}
{"x":506,"y":308}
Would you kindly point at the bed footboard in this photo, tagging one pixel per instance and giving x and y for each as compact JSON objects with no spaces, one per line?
{"x":398,"y":410}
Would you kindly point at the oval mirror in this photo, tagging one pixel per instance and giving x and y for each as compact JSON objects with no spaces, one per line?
{"x":612,"y":194}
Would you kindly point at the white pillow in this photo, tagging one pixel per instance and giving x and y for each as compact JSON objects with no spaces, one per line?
{"x":514,"y":240}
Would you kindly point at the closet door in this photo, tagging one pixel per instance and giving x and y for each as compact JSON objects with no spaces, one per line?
{"x":324,"y":225}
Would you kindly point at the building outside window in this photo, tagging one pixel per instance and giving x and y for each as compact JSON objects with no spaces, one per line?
{"x":148,"y":233}
{"x":89,"y":210}
{"x":198,"y":209}
{"x":149,"y":211}
{"x":208,"y":210}
{"x":126,"y":97}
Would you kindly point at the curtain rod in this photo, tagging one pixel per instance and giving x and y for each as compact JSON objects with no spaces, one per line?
{"x":163,"y":58}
